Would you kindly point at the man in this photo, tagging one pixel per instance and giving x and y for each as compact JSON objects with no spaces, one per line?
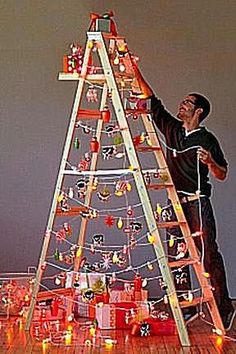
{"x":192,"y":154}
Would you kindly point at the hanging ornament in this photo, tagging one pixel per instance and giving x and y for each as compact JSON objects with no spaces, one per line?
{"x":92,"y":249}
{"x":144,"y":283}
{"x":108,"y":152}
{"x":76,"y":143}
{"x":60,"y":235}
{"x":104,"y":194}
{"x":56,"y":254}
{"x":71,"y":193}
{"x":111,"y":129}
{"x":79,"y":252}
{"x":81,"y":184}
{"x":94,"y":145}
{"x":122,"y":67}
{"x":151,"y":238}
{"x":86,"y":129}
{"x":125,"y":249}
{"x":67,"y":228}
{"x":95,"y":184}
{"x":92,"y":94}
{"x":172,"y":240}
{"x":83,"y":165}
{"x":148,"y":141}
{"x":106,"y":114}
{"x":121,"y":187}
{"x":118,"y":140}
{"x":116,"y":60}
{"x":147,"y":178}
{"x":115,"y":258}
{"x":109,"y":220}
{"x":158,"y":209}
{"x":135,"y":226}
{"x":98,"y":239}
{"x":130,"y":211}
{"x":150,"y":266}
{"x":181,"y":250}
{"x":120,"y":223}
{"x":106,"y":261}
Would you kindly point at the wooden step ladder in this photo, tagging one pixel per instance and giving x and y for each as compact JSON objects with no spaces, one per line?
{"x":112,"y":82}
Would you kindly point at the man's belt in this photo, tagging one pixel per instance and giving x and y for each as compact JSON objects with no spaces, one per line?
{"x":188,"y":198}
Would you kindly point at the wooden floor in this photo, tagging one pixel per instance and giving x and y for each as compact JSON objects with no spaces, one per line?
{"x":15,"y":340}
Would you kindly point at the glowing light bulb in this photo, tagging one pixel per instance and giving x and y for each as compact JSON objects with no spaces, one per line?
{"x":79,"y":252}
{"x":151,"y":238}
{"x":171,"y":241}
{"x":122,"y":68}
{"x":92,"y":331}
{"x":158,"y":209}
{"x":129,"y":187}
{"x":206,"y":275}
{"x":150,"y":266}
{"x":190,"y":296}
{"x":116,"y":61}
{"x":119,"y":223}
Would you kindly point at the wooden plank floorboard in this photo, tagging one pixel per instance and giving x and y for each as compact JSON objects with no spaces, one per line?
{"x":14,"y":340}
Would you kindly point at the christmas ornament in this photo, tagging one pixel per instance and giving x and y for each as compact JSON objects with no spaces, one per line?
{"x":109,"y":220}
{"x":98,"y":239}
{"x":94,"y":145}
{"x":108,"y":152}
{"x":104,"y":194}
{"x":92,"y":94}
{"x":106,"y":115}
{"x":76,"y":143}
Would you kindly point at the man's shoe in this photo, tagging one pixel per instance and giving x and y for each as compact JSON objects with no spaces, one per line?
{"x":228,"y":319}
{"x":190,"y":315}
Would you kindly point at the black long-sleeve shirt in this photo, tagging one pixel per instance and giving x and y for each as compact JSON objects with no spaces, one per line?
{"x":183,"y":163}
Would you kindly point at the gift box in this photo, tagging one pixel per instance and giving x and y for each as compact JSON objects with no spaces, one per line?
{"x":46,"y":313}
{"x":87,"y":308}
{"x":121,"y":296}
{"x":154,"y":327}
{"x":114,"y":315}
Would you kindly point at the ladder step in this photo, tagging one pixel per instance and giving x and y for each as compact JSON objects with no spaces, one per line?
{"x":157,"y":186}
{"x":71,"y":212}
{"x":148,"y":148}
{"x":196,"y":301}
{"x":94,"y":78}
{"x":182,"y":262}
{"x":135,"y":111}
{"x":47,"y":295}
{"x":169,"y":224}
{"x":89,"y":114}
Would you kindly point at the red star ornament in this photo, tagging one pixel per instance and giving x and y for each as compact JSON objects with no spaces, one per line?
{"x":109,"y":220}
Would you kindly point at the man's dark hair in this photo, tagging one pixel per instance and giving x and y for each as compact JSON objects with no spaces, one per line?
{"x":201,"y":102}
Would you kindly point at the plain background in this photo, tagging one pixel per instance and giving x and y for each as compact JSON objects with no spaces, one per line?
{"x":184,"y":46}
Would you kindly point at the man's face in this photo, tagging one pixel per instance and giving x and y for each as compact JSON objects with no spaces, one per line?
{"x":186,"y":108}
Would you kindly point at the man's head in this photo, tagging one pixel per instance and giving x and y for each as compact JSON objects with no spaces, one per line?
{"x":194,"y":105}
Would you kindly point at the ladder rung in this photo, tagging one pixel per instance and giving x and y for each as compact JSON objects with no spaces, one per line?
{"x":159,"y":185}
{"x":148,"y":148}
{"x":182,"y":262}
{"x":168,"y":224}
{"x":46,"y":295}
{"x":136,"y":111}
{"x":71,"y":212}
{"x":94,"y":78}
{"x":194,"y":302}
{"x":89,"y":114}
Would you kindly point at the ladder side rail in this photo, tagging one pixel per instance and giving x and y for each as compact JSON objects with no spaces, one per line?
{"x":58,"y":185}
{"x":194,"y":254}
{"x":141,"y":188}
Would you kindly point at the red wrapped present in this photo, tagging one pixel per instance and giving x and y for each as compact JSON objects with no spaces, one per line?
{"x":115,"y":316}
{"x":154,"y":327}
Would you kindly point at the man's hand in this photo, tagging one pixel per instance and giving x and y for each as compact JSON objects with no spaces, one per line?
{"x":219,"y":172}
{"x":204,"y":156}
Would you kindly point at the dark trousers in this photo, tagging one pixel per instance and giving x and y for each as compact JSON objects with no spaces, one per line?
{"x":213,"y":261}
